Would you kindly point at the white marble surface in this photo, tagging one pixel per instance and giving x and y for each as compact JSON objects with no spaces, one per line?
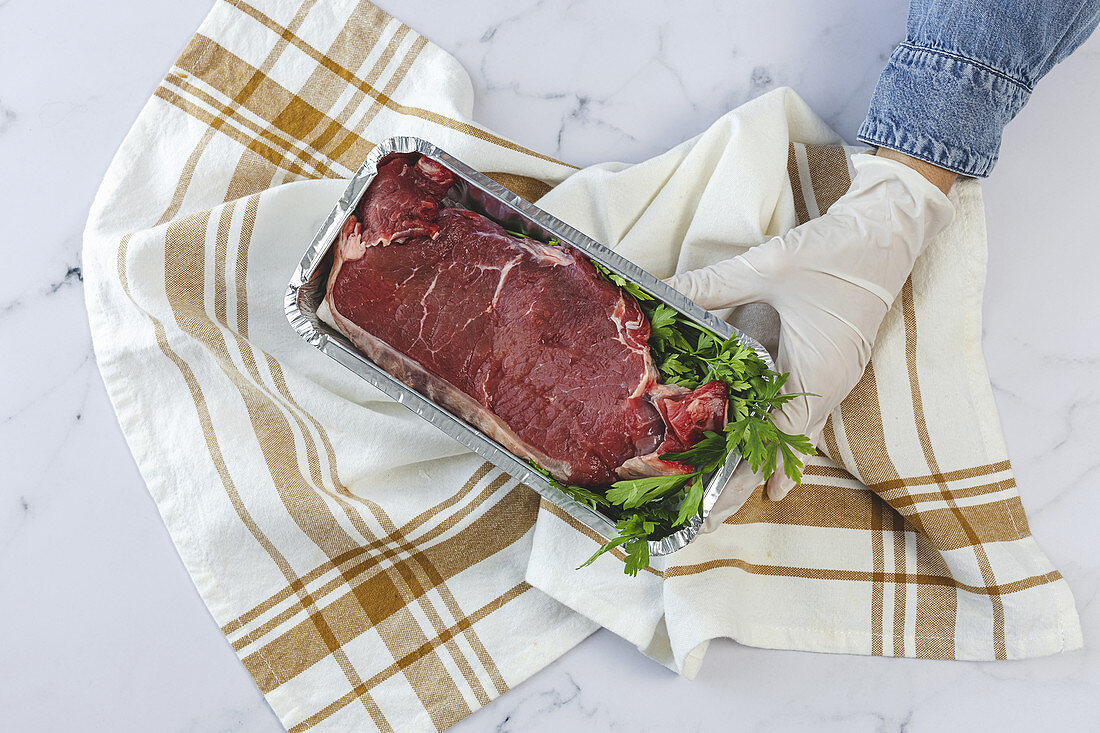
{"x":100,"y":627}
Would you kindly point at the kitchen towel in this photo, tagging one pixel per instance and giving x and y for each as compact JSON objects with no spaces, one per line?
{"x":369,"y":572}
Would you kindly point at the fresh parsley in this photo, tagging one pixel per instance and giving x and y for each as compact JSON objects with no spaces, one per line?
{"x":579,"y":494}
{"x":635,"y":530}
{"x":637,"y":492}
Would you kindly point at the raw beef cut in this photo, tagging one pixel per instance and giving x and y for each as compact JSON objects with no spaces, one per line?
{"x":687,"y":415}
{"x":522,"y":339}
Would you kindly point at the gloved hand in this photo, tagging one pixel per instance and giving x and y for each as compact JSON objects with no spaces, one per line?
{"x":831,"y":280}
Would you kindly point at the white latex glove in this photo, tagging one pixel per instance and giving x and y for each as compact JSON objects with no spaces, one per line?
{"x":831,"y":280}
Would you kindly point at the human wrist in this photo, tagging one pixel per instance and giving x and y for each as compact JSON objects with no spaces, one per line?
{"x":939,"y":177}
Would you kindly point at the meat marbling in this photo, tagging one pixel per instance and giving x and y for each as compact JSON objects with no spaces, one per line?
{"x":521,"y":339}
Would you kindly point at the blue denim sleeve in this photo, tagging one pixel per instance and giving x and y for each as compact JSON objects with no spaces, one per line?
{"x":964,"y":70}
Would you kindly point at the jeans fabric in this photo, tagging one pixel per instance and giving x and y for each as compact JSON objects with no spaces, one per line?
{"x":964,"y":70}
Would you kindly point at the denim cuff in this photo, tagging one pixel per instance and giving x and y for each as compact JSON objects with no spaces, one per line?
{"x":942,"y":108}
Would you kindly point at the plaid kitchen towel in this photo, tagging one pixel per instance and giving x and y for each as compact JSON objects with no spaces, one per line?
{"x":369,"y":572}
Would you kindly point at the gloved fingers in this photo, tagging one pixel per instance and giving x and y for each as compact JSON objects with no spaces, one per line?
{"x":737,"y":491}
{"x":727,"y":284}
{"x":779,"y":485}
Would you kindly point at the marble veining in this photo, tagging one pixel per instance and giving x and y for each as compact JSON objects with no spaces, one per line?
{"x":107,"y":632}
{"x":7,"y":118}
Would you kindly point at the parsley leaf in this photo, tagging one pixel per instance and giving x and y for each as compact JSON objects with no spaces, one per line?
{"x":788,"y":444}
{"x":579,"y":494}
{"x":634,"y":531}
{"x":632,"y":288}
{"x":633,"y":493}
{"x":662,"y":318}
{"x":706,"y":455}
{"x":637,"y":556}
{"x":692,"y":504}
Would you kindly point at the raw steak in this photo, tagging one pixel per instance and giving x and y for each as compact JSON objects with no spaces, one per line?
{"x":521,"y":339}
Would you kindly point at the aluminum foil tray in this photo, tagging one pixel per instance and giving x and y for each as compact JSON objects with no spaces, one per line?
{"x":479,"y":193}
